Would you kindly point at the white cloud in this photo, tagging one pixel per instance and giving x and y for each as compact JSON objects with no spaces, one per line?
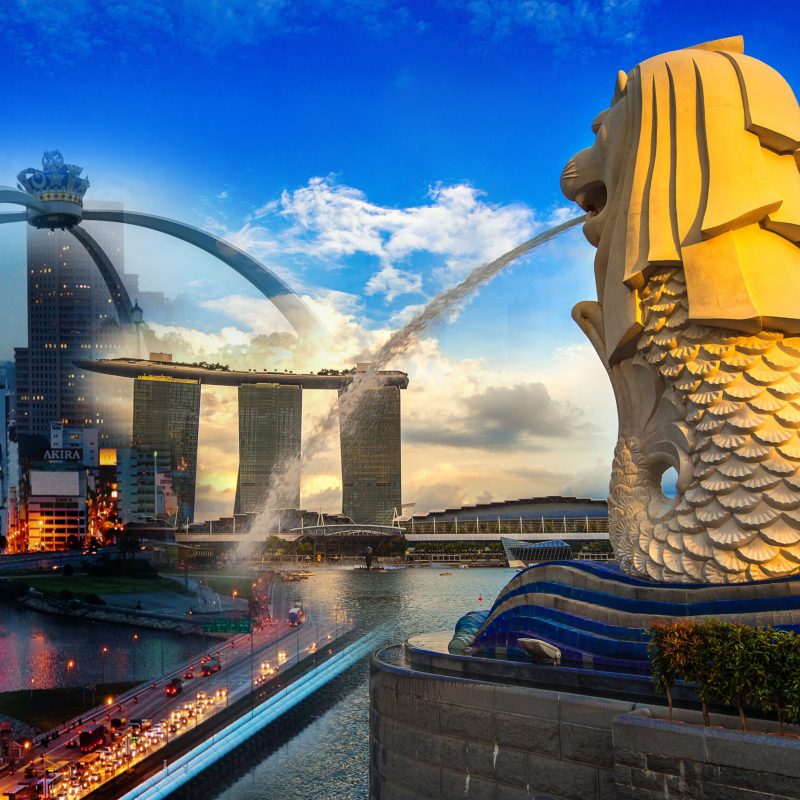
{"x":328,"y":220}
{"x":392,"y":282}
{"x":519,"y":426}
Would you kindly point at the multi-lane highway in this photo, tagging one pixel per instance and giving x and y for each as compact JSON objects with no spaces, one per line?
{"x":245,"y":662}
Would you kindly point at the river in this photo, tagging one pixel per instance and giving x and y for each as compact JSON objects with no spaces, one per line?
{"x":40,"y":648}
{"x":329,"y":759}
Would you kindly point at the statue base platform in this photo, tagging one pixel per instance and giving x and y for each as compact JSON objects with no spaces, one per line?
{"x":598,"y":616}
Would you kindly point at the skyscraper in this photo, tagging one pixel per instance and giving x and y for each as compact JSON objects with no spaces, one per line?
{"x":166,"y":415}
{"x":370,"y":442}
{"x":270,"y":418}
{"x":70,"y":315}
{"x":144,"y":484}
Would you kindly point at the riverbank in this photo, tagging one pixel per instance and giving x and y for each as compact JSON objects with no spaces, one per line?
{"x":36,"y":710}
{"x":117,"y":615}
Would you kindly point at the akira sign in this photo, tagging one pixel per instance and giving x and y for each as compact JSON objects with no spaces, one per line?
{"x":63,"y":454}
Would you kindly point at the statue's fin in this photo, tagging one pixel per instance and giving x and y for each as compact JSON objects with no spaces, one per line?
{"x":733,"y":44}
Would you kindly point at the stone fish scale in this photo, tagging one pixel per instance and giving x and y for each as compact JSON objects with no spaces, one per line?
{"x":739,"y":398}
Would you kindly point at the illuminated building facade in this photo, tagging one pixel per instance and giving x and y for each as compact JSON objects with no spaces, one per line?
{"x":57,"y":509}
{"x":370,"y":444}
{"x":270,"y":421}
{"x":166,"y":414}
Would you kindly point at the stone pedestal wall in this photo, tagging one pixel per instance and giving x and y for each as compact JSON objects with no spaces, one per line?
{"x":437,"y":737}
{"x":656,"y":759}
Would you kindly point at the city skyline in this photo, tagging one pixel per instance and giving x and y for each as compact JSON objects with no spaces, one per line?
{"x":369,"y":206}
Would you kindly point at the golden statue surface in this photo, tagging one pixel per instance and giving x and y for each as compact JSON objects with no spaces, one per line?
{"x":693,"y":191}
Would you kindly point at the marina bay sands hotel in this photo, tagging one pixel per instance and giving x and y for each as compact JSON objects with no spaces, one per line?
{"x":166,"y":413}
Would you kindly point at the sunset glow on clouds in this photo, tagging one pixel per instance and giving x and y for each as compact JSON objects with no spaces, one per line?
{"x":370,"y":154}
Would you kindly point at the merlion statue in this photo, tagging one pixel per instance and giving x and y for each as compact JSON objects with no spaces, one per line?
{"x":692,"y":188}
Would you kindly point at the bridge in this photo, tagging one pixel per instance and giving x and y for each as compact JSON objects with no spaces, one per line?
{"x":262,"y":676}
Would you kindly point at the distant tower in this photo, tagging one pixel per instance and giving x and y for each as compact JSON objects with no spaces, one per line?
{"x":270,"y":420}
{"x":70,"y":316}
{"x":166,"y":415}
{"x":370,"y":443}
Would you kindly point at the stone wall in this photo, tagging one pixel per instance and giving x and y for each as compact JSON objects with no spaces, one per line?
{"x":658,"y":759}
{"x":437,"y":737}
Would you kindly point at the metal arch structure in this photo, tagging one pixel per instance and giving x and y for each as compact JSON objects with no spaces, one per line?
{"x":116,"y":288}
{"x":267,"y":282}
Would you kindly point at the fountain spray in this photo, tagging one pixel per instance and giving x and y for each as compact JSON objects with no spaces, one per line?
{"x":399,"y":342}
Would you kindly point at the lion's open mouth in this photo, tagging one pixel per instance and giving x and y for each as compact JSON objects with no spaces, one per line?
{"x":592,"y":198}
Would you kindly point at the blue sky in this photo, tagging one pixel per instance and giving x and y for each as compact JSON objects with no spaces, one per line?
{"x":371,"y":152}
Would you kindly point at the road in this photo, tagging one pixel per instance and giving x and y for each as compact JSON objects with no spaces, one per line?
{"x":240,"y":657}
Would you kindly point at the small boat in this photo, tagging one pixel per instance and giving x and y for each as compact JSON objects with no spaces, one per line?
{"x":445,"y":574}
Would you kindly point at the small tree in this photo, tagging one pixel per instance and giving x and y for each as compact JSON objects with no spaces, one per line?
{"x":779,"y":652}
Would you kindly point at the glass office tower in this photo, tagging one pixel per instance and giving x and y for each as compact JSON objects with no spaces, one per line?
{"x":166,"y":411}
{"x":270,"y":421}
{"x":71,"y":315}
{"x":370,"y":442}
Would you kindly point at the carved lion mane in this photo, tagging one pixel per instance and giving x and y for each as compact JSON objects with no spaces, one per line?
{"x":695,"y":165}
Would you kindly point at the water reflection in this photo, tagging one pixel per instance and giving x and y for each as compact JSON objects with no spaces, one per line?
{"x":38,"y":647}
{"x":329,"y":759}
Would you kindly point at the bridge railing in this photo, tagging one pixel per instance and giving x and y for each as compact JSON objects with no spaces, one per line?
{"x":505,"y":526}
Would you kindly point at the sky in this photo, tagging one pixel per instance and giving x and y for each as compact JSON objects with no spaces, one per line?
{"x":371,"y":153}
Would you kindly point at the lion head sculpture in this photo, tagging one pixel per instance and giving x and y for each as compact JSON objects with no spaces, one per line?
{"x":692,"y":188}
{"x":695,"y":165}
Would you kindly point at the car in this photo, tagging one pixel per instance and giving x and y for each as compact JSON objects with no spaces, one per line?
{"x":175,"y":686}
{"x":188,"y":675}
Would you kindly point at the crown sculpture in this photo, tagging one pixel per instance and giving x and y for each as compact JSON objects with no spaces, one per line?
{"x":693,"y":194}
{"x":59,"y":187}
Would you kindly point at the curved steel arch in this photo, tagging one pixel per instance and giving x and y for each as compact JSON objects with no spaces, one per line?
{"x":116,"y":288}
{"x":266,"y":281}
{"x":20,"y":198}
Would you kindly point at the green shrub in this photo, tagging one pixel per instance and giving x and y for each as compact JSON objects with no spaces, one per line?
{"x":731,"y":664}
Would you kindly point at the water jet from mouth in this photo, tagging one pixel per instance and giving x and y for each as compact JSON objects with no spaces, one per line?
{"x":399,"y":342}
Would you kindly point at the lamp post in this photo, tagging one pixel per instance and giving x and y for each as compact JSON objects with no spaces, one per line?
{"x":103,"y":654}
{"x":135,"y":640}
{"x":70,"y":665}
{"x":155,"y":485}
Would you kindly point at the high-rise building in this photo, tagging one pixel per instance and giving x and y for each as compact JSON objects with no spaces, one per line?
{"x":8,"y":456}
{"x":144,"y":485}
{"x":166,"y":413}
{"x":270,"y":420}
{"x":70,"y":316}
{"x":370,"y":443}
{"x":80,"y":440}
{"x":57,"y":509}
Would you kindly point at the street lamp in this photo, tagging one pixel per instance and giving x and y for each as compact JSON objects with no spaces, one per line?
{"x":103,"y":654}
{"x":155,"y":486}
{"x":135,"y":639}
